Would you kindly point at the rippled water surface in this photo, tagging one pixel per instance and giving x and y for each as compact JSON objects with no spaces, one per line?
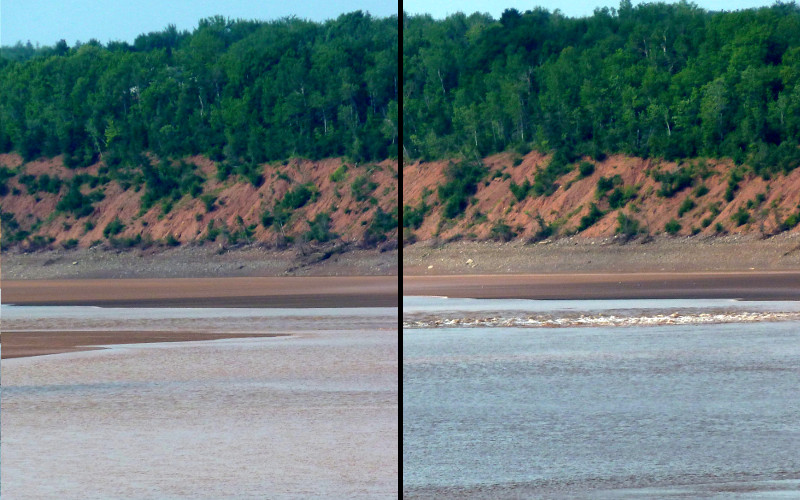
{"x":661,"y":411}
{"x":314,"y":414}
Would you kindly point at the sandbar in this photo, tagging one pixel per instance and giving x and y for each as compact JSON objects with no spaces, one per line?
{"x":282,"y":292}
{"x":755,"y":285}
{"x":38,"y":343}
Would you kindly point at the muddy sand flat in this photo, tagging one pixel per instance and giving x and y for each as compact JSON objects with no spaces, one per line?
{"x":273,"y":292}
{"x":39,"y":343}
{"x":734,"y":285}
{"x":352,"y":291}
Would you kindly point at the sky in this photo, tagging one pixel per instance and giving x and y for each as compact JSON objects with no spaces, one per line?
{"x":571,"y":8}
{"x":47,"y":21}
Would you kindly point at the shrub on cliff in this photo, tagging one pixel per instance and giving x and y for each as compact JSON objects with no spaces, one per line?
{"x":502,"y":232}
{"x":413,"y":217}
{"x":76,"y":202}
{"x":113,"y":228}
{"x":382,"y":224}
{"x":461,"y":184}
{"x":672,"y":227}
{"x":627,"y":226}
{"x":319,"y":229}
{"x":588,"y":220}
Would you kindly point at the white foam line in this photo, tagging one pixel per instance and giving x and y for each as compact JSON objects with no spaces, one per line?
{"x":604,"y":320}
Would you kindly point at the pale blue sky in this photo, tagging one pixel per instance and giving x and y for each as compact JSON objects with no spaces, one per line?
{"x":47,"y":21}
{"x":571,"y":8}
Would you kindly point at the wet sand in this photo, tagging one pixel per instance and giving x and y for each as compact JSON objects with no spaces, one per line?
{"x":267,"y":292}
{"x":283,"y":292}
{"x":778,"y":285}
{"x":39,"y":343}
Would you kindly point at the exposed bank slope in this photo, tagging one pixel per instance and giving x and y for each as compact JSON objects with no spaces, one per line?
{"x":529,"y":199}
{"x":329,"y":202}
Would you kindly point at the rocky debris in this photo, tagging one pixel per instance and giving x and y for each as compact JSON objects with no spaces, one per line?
{"x":659,"y":254}
{"x":190,"y":261}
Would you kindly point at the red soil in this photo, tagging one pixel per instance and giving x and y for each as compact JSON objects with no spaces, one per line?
{"x":572,"y":199}
{"x":188,"y":219}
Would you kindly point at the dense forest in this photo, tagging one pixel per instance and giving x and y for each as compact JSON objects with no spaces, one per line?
{"x":657,"y":80}
{"x":237,"y":132}
{"x":240,"y":90}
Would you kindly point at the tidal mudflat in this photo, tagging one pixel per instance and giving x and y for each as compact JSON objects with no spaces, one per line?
{"x":311,"y":412}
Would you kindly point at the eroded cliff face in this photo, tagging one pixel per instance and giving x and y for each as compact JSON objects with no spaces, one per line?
{"x":634,"y":197}
{"x":294,"y":201}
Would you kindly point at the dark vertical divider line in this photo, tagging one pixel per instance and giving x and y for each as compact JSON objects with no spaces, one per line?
{"x":400,"y":162}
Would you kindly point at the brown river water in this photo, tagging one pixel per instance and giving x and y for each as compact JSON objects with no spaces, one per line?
{"x":311,"y":414}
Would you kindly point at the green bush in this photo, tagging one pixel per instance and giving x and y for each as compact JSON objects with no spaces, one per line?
{"x":544,"y":181}
{"x":734,"y":179}
{"x":382,"y":224}
{"x":413,"y":217}
{"x":39,"y":242}
{"x":620,"y":196}
{"x":126,"y":242}
{"x":741,"y":216}
{"x":545,"y":230}
{"x":461,"y":183}
{"x":43,"y":183}
{"x":674,"y":182}
{"x":280,"y":217}
{"x":172,"y":241}
{"x":251,"y":172}
{"x":502,"y":232}
{"x":5,"y":175}
{"x":700,"y":191}
{"x":586,"y":169}
{"x":113,"y":228}
{"x":522,"y":148}
{"x":266,"y":218}
{"x":167,"y":183}
{"x":208,"y":200}
{"x":604,"y":184}
{"x":672,"y":227}
{"x":75,"y":202}
{"x":520,"y":192}
{"x":588,"y":220}
{"x":320,"y":228}
{"x":339,"y":174}
{"x":791,"y":221}
{"x":627,"y":226}
{"x":224,"y":170}
{"x":299,"y":196}
{"x":362,"y":187}
{"x":687,"y":205}
{"x":212,"y":232}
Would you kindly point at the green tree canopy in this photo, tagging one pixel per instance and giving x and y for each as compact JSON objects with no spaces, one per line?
{"x":245,"y":90}
{"x":657,"y":79}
